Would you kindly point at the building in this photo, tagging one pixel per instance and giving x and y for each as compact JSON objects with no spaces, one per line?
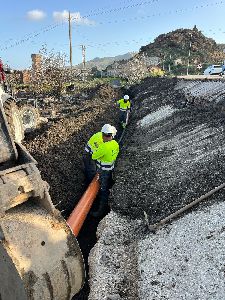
{"x":36,"y":61}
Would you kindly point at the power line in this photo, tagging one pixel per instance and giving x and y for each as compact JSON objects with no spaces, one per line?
{"x":111,"y":42}
{"x":102,"y":11}
{"x":120,"y":20}
{"x":62,"y":23}
{"x":164,"y":14}
{"x":120,"y":8}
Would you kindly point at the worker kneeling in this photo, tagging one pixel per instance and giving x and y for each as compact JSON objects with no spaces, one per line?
{"x":105,"y":156}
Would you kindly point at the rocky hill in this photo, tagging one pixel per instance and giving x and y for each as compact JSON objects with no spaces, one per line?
{"x":176,"y":44}
{"x":172,"y":52}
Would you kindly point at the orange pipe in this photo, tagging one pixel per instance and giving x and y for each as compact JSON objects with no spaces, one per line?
{"x":79,"y":214}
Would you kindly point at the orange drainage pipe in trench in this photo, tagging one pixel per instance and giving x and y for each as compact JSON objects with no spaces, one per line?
{"x":79,"y":214}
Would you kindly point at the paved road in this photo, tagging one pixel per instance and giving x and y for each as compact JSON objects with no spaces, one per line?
{"x":213,"y":77}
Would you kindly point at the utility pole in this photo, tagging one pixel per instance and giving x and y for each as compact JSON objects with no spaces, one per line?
{"x":163,"y":60}
{"x":83,"y":56}
{"x":189,"y":54}
{"x":70,"y":39}
{"x":83,"y":60}
{"x":169,"y":64}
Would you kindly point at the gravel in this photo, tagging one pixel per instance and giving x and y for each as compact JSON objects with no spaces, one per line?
{"x":171,"y":155}
{"x":185,"y":260}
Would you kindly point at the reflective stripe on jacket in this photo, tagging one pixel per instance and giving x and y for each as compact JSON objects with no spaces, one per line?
{"x":106,"y":155}
{"x":94,"y":142}
{"x":124,"y":106}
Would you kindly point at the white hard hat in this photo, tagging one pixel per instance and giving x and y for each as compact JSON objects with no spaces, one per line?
{"x":108,"y":129}
{"x":126,"y":97}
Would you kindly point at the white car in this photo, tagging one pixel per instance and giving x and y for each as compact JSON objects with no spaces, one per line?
{"x":213,"y":69}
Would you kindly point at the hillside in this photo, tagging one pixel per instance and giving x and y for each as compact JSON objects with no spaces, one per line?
{"x":172,"y":52}
{"x":102,"y":63}
{"x":176,"y":45}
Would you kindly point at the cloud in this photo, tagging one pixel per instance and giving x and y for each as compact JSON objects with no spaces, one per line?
{"x":75,"y":17}
{"x":36,"y":15}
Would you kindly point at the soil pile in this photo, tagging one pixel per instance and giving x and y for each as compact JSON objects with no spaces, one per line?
{"x":173,"y":155}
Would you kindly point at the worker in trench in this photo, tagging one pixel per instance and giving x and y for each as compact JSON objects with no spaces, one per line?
{"x":101,"y":153}
{"x":125,"y":107}
{"x":92,"y":145}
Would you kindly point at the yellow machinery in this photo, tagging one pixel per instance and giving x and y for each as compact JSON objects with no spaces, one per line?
{"x":39,"y":255}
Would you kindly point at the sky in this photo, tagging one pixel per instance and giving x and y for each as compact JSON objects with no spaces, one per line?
{"x":104,"y":27}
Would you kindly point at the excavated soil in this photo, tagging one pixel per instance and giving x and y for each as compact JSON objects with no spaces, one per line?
{"x":174,"y":152}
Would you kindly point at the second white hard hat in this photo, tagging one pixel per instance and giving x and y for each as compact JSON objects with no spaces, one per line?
{"x":126,"y":97}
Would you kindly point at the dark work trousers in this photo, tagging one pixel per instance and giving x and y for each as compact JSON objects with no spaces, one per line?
{"x":123,"y":117}
{"x":105,"y":179}
{"x":89,"y":167}
{"x":103,"y":195}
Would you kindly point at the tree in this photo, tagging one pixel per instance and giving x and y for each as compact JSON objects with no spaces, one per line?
{"x":50,"y":74}
{"x":135,"y":69}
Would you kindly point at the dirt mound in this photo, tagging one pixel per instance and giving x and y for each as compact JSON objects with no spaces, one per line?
{"x":172,"y":156}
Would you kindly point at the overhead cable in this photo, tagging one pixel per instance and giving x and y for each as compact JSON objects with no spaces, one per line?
{"x":117,"y":21}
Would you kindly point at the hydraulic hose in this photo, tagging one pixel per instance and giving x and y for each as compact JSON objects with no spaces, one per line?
{"x":123,"y":132}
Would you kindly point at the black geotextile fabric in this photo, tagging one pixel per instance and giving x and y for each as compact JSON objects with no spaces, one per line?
{"x":170,"y":162}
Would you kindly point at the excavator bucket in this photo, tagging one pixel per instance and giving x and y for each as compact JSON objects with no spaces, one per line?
{"x":39,"y":255}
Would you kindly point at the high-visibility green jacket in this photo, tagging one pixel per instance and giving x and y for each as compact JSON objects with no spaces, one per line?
{"x":94,"y":142}
{"x":124,"y":106}
{"x":106,"y":155}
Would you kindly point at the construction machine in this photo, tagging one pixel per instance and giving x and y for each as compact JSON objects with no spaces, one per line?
{"x":12,"y":114}
{"x":39,"y":255}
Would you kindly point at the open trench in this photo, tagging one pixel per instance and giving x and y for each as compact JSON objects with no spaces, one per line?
{"x":58,"y":149}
